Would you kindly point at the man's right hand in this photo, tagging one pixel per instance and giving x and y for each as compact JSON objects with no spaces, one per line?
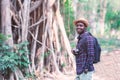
{"x":86,"y":71}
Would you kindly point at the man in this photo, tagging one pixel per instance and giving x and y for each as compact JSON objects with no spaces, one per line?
{"x":84,"y":51}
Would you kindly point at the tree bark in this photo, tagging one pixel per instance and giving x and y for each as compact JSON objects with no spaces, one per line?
{"x":64,"y":35}
{"x":56,"y":34}
{"x":6,"y":21}
{"x":103,"y":4}
{"x":0,"y":18}
{"x":24,"y":25}
{"x":25,"y":19}
{"x":50,"y":32}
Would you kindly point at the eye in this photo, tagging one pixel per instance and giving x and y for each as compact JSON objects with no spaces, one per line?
{"x":80,"y":25}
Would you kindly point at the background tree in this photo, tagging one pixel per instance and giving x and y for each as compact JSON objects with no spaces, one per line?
{"x":6,"y":20}
{"x":41,"y":24}
{"x":68,"y":14}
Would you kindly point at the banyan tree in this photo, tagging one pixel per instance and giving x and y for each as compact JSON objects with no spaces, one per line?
{"x":38,"y":22}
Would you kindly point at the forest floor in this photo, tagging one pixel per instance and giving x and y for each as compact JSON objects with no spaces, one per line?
{"x":107,"y":69}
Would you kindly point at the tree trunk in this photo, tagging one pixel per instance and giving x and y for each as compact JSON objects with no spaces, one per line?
{"x":25,"y":19}
{"x":6,"y":21}
{"x":64,"y":35}
{"x":0,"y":18}
{"x":103,"y":4}
{"x":55,"y":28}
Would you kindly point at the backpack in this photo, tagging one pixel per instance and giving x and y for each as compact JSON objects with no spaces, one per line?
{"x":97,"y":49}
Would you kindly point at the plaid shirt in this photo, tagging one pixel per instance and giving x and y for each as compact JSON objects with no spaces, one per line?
{"x":85,"y":57}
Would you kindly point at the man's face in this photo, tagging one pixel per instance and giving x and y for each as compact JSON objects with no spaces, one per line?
{"x":80,"y":28}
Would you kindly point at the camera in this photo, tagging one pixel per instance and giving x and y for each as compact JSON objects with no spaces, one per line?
{"x":75,"y":51}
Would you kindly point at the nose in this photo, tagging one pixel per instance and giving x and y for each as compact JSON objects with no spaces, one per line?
{"x":78,"y":27}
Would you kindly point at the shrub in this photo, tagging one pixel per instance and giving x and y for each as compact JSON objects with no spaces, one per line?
{"x":10,"y":58}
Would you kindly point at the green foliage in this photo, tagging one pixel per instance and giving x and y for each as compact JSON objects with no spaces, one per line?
{"x":10,"y":59}
{"x":83,"y":0}
{"x":7,"y":59}
{"x":63,"y":65}
{"x":2,"y":39}
{"x":47,"y":54}
{"x":109,"y":44}
{"x":68,"y":17}
{"x":112,"y":17}
{"x":22,"y":51}
{"x":28,"y":75}
{"x":72,"y":44}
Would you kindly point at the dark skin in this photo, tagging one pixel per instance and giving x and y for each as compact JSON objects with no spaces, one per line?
{"x":80,"y":28}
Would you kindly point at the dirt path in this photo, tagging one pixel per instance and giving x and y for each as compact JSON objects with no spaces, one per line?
{"x":107,"y":69}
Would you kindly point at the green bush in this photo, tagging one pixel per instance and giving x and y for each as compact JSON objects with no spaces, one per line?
{"x":109,"y":44}
{"x":112,"y":17}
{"x":10,"y":58}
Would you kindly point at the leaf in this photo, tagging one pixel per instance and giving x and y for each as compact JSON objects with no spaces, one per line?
{"x":21,"y":52}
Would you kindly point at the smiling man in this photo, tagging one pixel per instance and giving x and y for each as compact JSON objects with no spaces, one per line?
{"x":84,"y":51}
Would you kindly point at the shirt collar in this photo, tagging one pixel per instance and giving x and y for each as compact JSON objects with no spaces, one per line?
{"x":83,"y":34}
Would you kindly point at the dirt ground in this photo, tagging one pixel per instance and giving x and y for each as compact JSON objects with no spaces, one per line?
{"x":107,"y":69}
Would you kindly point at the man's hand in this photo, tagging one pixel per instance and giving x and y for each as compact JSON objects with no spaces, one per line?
{"x":86,"y":71}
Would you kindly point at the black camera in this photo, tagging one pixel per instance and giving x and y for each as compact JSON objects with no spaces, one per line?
{"x":75,"y":51}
